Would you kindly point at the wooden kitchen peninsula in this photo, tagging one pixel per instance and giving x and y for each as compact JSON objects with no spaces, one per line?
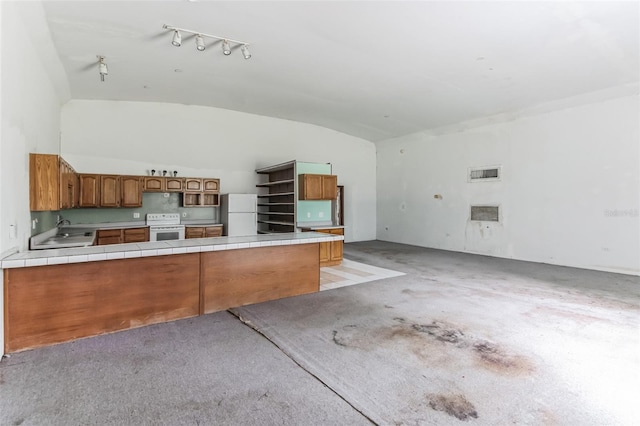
{"x":54,"y":296}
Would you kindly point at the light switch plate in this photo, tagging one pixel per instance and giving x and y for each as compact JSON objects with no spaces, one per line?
{"x":136,"y":215}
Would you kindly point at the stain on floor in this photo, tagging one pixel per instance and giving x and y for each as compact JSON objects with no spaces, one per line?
{"x":454,"y":405}
{"x":430,"y":342}
{"x":497,"y":359}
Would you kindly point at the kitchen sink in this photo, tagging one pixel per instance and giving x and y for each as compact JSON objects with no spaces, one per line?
{"x":66,"y":238}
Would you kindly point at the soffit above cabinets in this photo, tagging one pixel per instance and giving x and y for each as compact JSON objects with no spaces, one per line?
{"x":374,"y":70}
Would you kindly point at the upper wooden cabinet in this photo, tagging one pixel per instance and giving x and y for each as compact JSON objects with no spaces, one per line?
{"x":201,"y":192}
{"x":109,"y":191}
{"x":193,"y":184}
{"x":130,"y":191}
{"x":163,"y":184}
{"x":44,"y":182}
{"x":211,"y":185}
{"x":154,"y":184}
{"x":89,"y":190}
{"x":317,"y":187}
{"x":69,"y":190}
{"x":174,"y":184}
{"x":55,"y":185}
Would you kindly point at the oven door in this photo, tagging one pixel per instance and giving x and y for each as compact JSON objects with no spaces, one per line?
{"x":166,"y":233}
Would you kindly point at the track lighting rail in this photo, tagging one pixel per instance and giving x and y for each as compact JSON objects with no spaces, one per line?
{"x":184,"y":30}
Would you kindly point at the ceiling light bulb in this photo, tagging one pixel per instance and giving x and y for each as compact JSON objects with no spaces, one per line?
{"x":225,"y":48}
{"x":245,"y":51}
{"x":199,"y":43}
{"x":177,"y":39}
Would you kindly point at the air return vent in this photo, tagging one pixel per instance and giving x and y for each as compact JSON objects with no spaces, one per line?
{"x":485,"y":174}
{"x":485,"y":213}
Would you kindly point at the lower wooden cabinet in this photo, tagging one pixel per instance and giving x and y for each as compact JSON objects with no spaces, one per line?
{"x":119,"y":236}
{"x":203,"y":231}
{"x":331,"y":252}
{"x":135,"y":235}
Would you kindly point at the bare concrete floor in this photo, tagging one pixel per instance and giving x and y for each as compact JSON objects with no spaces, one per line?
{"x":575,"y":332}
{"x":457,"y":339}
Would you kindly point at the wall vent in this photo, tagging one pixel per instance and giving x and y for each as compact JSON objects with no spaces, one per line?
{"x":485,"y":213}
{"x":485,"y":174}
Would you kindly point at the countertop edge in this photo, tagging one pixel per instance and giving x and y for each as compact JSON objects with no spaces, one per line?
{"x":159,"y":248}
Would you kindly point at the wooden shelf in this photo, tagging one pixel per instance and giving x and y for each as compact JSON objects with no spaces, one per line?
{"x":280,"y":194}
{"x":275,"y":222}
{"x":277,"y":213}
{"x":279,"y":182}
{"x":278,"y":198}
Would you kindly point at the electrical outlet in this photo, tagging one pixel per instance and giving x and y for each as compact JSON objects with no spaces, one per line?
{"x":13,"y":232}
{"x":184,"y":214}
{"x":320,"y":214}
{"x":136,"y":215}
{"x":165,"y":195}
{"x":308,"y":214}
{"x":33,"y":224}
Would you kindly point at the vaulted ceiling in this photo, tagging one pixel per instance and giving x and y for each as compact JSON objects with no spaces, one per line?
{"x":375,"y":70}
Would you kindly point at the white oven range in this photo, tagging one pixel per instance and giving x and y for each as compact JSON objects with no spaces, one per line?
{"x":164,"y":226}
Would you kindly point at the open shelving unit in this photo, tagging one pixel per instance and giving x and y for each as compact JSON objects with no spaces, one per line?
{"x":277,"y":199}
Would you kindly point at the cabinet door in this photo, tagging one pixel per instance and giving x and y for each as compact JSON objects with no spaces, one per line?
{"x":154,"y":184}
{"x":44,"y":175}
{"x":336,"y":250}
{"x":192,"y":199}
{"x":131,"y":191}
{"x":325,"y":252}
{"x":310,"y":187}
{"x":109,"y":236}
{"x":135,"y":235}
{"x":174,"y":184}
{"x":109,"y":191}
{"x":211,"y":185}
{"x":66,"y":185}
{"x":89,"y":190}
{"x":193,"y":184}
{"x":213,"y":231}
{"x":329,"y":187}
{"x":194,"y":232}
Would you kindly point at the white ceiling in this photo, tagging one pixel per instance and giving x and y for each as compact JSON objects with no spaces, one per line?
{"x":375,"y":70}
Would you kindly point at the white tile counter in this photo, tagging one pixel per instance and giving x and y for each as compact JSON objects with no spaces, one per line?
{"x":159,"y":248}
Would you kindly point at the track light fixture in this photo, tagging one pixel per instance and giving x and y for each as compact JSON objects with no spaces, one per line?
{"x":226,"y":42}
{"x":177,"y":39}
{"x":102,"y":67}
{"x":245,"y":51}
{"x":199,"y":43}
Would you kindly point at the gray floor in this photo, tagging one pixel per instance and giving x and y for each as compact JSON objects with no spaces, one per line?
{"x":550,"y":345}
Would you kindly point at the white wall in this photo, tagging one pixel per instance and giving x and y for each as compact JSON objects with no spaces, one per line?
{"x":33,"y":87}
{"x":134,"y":137}
{"x":569,"y":194}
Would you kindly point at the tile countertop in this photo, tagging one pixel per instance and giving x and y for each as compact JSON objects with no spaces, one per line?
{"x":159,"y":248}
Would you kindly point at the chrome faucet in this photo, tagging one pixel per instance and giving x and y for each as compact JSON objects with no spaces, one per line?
{"x":62,"y":222}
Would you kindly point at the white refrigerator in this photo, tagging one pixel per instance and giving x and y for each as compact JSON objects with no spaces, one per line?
{"x":238,"y":214}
